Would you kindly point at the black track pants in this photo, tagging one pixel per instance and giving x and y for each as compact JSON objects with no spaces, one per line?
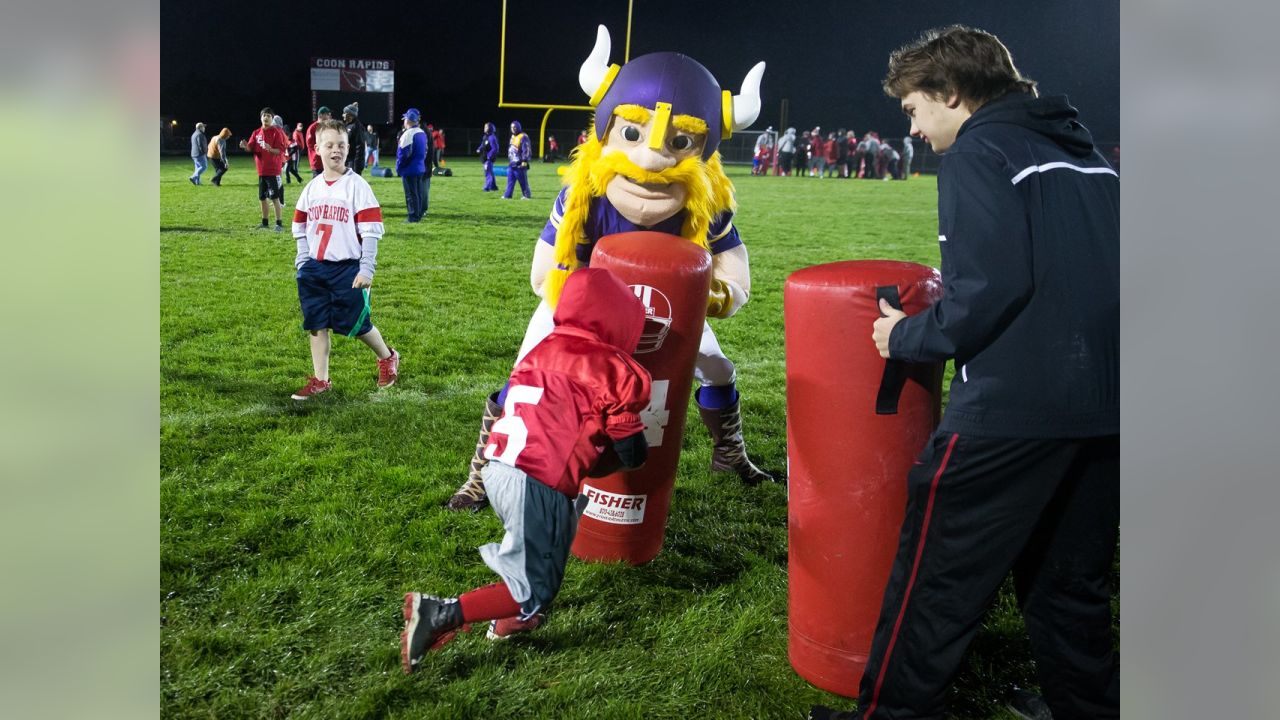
{"x":978,"y":508}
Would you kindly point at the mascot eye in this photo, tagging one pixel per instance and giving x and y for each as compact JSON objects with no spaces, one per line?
{"x":680,"y":143}
{"x":631,"y":133}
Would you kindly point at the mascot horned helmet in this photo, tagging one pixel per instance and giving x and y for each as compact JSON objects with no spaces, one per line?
{"x":671,"y":84}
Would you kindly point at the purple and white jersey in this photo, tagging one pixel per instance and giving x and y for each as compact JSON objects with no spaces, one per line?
{"x":604,"y":219}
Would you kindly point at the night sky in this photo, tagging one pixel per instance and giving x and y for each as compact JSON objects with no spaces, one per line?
{"x":220,"y":63}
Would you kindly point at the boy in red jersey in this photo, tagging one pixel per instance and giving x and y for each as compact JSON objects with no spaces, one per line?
{"x":269,"y":146}
{"x":337,"y":225}
{"x":577,"y":395}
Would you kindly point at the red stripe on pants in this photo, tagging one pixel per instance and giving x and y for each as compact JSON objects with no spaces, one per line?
{"x":911,"y":580}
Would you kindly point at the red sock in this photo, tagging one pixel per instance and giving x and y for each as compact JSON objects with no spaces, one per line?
{"x":491,"y":602}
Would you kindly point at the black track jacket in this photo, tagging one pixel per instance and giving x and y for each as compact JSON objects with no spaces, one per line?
{"x":1029,"y":230}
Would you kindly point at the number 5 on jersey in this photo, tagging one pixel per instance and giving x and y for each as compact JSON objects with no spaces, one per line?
{"x":511,"y":425}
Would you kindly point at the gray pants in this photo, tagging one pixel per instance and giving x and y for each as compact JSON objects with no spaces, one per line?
{"x":540,"y":524}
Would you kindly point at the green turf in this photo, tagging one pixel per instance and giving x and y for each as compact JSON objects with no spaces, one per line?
{"x":289,"y":534}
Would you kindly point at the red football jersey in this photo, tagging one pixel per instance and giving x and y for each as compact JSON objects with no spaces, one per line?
{"x":273,"y":137}
{"x":579,"y":389}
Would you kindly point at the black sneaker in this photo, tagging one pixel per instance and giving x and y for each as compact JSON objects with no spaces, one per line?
{"x":279,"y":227}
{"x":429,"y":623}
{"x":822,"y":712}
{"x":1028,"y":705}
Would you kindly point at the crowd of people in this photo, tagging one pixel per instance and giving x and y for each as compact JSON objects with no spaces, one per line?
{"x":839,"y":154}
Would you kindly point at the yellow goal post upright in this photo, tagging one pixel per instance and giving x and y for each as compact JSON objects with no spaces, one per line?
{"x":502,"y":70}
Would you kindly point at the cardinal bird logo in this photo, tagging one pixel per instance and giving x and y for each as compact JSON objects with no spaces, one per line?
{"x":352,"y":80}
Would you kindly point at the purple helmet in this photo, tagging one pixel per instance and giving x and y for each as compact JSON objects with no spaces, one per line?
{"x":667,"y":77}
{"x":671,"y":78}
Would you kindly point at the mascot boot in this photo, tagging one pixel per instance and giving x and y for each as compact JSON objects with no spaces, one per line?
{"x":730,"y":451}
{"x":471,"y":495}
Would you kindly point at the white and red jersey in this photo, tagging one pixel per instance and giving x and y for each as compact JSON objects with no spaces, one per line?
{"x":579,"y":389}
{"x":335,"y":216}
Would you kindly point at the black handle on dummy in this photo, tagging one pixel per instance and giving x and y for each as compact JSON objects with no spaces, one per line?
{"x":895,"y":371}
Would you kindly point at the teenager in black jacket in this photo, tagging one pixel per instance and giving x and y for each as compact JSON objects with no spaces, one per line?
{"x":1023,"y":473}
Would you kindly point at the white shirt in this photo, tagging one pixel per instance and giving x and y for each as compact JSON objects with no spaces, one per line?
{"x":334,"y":218}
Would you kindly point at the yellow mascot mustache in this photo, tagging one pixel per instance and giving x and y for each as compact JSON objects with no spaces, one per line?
{"x":688,"y":172}
{"x":708,"y":193}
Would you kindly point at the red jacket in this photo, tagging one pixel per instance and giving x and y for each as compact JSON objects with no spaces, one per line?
{"x":312,"y":159}
{"x":817,"y":147}
{"x":579,"y":389}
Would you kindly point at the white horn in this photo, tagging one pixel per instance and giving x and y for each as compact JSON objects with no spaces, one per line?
{"x":597,"y":64}
{"x":746,"y":107}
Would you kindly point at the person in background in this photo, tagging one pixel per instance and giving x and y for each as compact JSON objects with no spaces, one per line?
{"x":217,"y":154}
{"x":355,"y":136}
{"x":908,"y":152}
{"x":889,"y":160}
{"x":801,"y":161}
{"x":371,"y":141}
{"x":314,"y":161}
{"x":850,"y":143}
{"x":411,"y":165}
{"x":1023,"y":473}
{"x":518,"y":153}
{"x":841,"y":163}
{"x":199,"y":145}
{"x":786,"y":151}
{"x":296,"y":144}
{"x":268,"y":146}
{"x":817,"y":153}
{"x":488,"y":151}
{"x":553,"y":150}
{"x":832,"y":148}
{"x":871,"y":161}
{"x":437,"y":145}
{"x":764,"y":143}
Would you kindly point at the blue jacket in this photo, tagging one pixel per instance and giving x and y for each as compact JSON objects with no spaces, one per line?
{"x":488,"y":148}
{"x":411,"y":153}
{"x":1029,"y":231}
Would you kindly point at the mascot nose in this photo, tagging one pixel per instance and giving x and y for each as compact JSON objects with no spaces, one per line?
{"x":651,"y":160}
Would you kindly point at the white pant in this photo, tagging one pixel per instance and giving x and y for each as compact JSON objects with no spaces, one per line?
{"x":711,"y":367}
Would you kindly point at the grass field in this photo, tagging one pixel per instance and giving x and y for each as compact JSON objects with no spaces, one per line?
{"x":289,"y":534}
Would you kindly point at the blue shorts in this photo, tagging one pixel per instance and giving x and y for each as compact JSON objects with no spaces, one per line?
{"x":328,"y":300}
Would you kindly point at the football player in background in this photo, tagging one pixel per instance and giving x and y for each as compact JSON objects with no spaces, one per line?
{"x":268,"y":146}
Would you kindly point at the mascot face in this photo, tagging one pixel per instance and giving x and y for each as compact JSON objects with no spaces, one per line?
{"x":652,"y":148}
{"x":650,"y":184}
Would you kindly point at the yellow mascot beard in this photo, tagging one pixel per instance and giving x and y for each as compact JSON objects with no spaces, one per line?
{"x":708,"y":194}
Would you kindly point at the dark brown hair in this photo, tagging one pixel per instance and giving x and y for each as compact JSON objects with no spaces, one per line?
{"x":972,"y":64}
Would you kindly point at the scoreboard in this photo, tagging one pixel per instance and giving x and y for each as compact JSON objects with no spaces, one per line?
{"x":338,"y":81}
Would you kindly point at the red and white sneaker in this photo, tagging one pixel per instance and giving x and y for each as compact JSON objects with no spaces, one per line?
{"x":506,"y":627}
{"x":314,"y":387}
{"x":389,"y":369}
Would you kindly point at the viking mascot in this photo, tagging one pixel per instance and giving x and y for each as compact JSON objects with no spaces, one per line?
{"x":650,"y":163}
